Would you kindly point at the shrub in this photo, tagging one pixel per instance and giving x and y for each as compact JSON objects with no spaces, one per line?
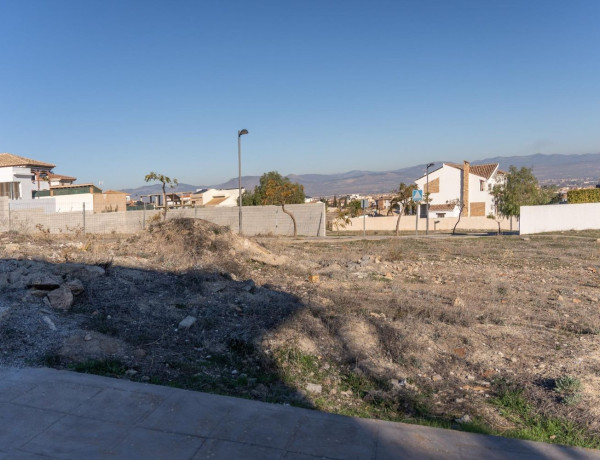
{"x":586,"y":195}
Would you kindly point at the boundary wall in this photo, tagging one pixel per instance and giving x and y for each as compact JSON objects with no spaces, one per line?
{"x":257,"y":220}
{"x":407,"y":223}
{"x":560,"y":217}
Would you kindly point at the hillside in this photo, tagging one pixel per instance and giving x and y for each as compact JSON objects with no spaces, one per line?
{"x":549,"y":169}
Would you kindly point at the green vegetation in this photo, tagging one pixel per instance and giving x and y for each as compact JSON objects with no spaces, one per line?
{"x":274,"y":189}
{"x":568,"y":387}
{"x":588,"y":195}
{"x":402,"y":200}
{"x":164,"y":180}
{"x":105,"y":367}
{"x":520,"y":189}
{"x":537,"y":427}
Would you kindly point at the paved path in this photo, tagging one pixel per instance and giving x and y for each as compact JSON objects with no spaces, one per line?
{"x":58,"y":414}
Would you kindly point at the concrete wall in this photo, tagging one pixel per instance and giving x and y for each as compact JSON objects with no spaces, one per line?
{"x":256,"y":219}
{"x":560,"y":217}
{"x":109,"y":202}
{"x":4,"y":214}
{"x":407,"y":223}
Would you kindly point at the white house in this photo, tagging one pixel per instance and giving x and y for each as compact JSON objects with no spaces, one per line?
{"x":453,"y":184}
{"x":20,"y":176}
{"x":214,"y":197}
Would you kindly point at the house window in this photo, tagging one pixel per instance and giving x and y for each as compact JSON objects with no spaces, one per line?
{"x":441,"y":214}
{"x":481,"y":185}
{"x":11,"y":190}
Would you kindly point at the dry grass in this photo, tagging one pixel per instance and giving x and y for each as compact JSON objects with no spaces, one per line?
{"x":399,"y":329}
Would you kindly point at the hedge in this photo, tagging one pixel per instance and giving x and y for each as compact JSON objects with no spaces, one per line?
{"x":586,"y":195}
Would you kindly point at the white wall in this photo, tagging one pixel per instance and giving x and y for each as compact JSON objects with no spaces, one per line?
{"x":559,"y":217}
{"x":22,"y":175}
{"x":407,"y":224}
{"x":450,"y":184}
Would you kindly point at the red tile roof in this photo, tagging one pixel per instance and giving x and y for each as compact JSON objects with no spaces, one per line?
{"x":441,"y":207}
{"x":479,"y":170}
{"x":8,"y":159}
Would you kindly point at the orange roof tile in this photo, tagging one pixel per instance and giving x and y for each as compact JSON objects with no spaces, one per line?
{"x":441,"y":207}
{"x":479,"y":170}
{"x":8,"y":159}
{"x":216,"y":201}
{"x":61,"y":176}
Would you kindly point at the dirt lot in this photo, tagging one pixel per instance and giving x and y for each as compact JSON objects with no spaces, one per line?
{"x":491,"y":334}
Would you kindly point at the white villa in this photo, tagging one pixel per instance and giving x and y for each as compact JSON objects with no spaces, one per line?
{"x":20,"y":176}
{"x":453,"y":184}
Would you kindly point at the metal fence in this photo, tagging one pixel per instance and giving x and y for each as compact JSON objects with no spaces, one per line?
{"x":27,"y":217}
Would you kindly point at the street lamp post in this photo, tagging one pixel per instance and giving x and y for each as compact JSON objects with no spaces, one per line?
{"x":429,"y":165}
{"x":240,"y":134}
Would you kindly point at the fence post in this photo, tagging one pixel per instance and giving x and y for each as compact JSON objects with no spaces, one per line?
{"x":195,"y":212}
{"x":144,"y":217}
{"x":84,"y":219}
{"x":9,"y":221}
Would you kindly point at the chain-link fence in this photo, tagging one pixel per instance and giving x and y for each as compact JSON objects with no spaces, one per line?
{"x":27,"y":217}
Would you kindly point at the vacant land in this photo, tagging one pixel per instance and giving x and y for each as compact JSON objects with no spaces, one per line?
{"x":494,"y":334}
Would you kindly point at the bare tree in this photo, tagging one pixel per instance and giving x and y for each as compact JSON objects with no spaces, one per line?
{"x":402,"y":198}
{"x":164,"y":180}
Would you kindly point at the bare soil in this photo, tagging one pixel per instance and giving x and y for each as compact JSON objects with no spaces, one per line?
{"x":426,"y":330}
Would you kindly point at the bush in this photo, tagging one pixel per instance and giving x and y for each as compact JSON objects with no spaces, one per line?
{"x":586,"y":195}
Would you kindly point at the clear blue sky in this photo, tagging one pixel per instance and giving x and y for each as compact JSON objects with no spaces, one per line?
{"x":109,"y":90}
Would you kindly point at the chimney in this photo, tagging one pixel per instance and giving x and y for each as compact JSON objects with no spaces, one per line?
{"x":465,"y":187}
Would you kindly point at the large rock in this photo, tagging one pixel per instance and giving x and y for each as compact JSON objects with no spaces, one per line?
{"x":44,"y":281}
{"x":76,"y":286}
{"x":61,"y":298}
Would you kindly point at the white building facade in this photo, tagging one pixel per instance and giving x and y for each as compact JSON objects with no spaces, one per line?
{"x":453,"y":186}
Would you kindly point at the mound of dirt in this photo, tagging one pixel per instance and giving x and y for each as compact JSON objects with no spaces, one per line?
{"x":188,"y":243}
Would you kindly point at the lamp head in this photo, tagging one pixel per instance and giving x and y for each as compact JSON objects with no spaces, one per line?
{"x":242,"y":132}
{"x":430,"y":165}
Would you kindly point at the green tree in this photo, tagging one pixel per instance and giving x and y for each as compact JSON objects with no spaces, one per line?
{"x":258,"y":196}
{"x":520,"y":188}
{"x":164,"y":180}
{"x":354,"y":208}
{"x":402,"y":198}
{"x":274,"y":189}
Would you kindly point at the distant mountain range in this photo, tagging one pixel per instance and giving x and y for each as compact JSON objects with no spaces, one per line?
{"x":549,"y":169}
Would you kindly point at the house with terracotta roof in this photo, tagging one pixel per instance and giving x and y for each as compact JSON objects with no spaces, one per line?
{"x":452,"y":185}
{"x":58,"y":180}
{"x":214,"y":197}
{"x":20,"y":176}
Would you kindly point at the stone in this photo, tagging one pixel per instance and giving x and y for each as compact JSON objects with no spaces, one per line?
{"x":87,"y":337}
{"x":576,"y":300}
{"x":187,"y":322}
{"x":436,"y":378}
{"x":314,"y":388}
{"x":458,"y":302}
{"x":464,"y":419}
{"x":388,"y":276}
{"x":460,"y":352}
{"x":61,"y":298}
{"x":130,"y":372}
{"x":49,"y":322}
{"x":560,"y":298}
{"x":76,"y":286}
{"x":249,"y":286}
{"x":313,"y":278}
{"x":44,"y":282}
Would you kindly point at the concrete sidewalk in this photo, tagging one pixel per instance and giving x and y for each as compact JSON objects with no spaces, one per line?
{"x":59,"y":414}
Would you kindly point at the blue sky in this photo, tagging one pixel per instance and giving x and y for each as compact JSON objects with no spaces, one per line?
{"x":109,"y":90}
